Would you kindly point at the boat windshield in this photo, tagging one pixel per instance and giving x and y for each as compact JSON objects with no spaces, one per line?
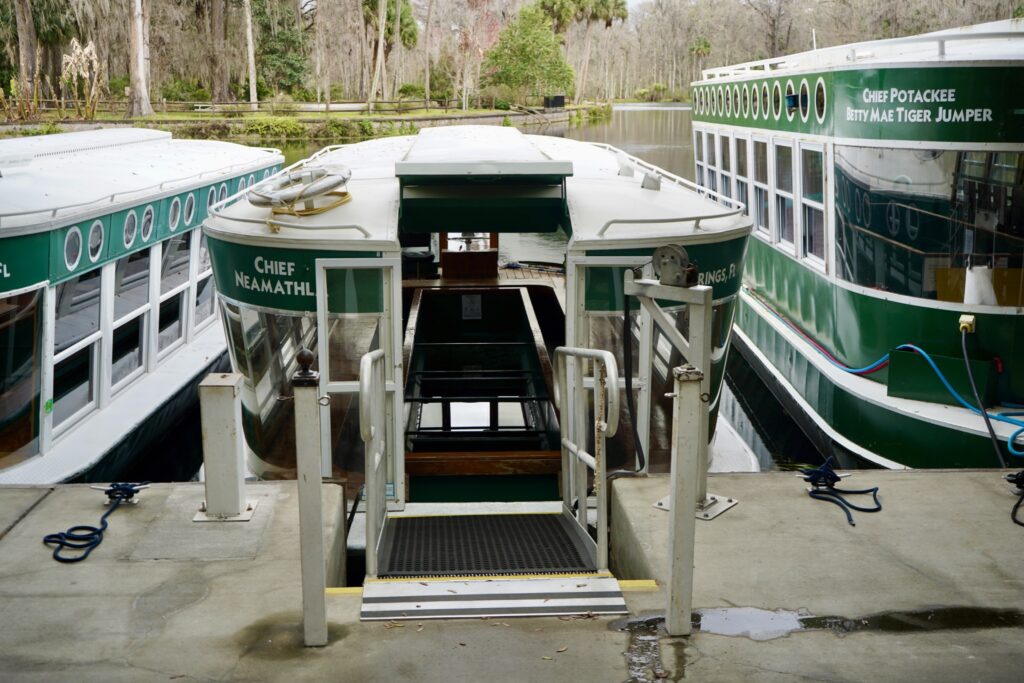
{"x":21,"y":334}
{"x":945,"y":225}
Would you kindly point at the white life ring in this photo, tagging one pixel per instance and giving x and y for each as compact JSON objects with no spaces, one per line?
{"x":307,"y":183}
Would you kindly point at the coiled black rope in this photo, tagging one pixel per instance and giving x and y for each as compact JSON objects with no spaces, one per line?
{"x":1018,"y":481}
{"x":823,"y":482}
{"x":84,"y":538}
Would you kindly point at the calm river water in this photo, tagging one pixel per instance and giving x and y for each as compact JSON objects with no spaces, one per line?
{"x":660,"y":134}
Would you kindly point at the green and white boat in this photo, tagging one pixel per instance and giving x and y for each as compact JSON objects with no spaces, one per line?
{"x":469,"y":353}
{"x":107,"y":318}
{"x":886,"y":184}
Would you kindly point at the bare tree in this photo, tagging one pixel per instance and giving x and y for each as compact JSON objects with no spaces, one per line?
{"x":250,"y":53}
{"x":28,"y":46}
{"x":382,"y":13}
{"x":138,"y":64}
{"x":778,"y":23}
{"x":426,"y":52}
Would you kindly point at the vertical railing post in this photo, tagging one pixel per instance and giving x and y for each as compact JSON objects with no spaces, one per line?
{"x":689,"y":433}
{"x":220,"y":412}
{"x":700,"y":356}
{"x":311,"y":529}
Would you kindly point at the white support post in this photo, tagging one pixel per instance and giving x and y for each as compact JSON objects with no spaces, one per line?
{"x":311,"y":527}
{"x":220,"y":411}
{"x":689,"y":433}
{"x":307,"y":457}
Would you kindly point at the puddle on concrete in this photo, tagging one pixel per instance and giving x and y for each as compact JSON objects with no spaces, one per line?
{"x":753,"y":623}
{"x":647,"y":637}
{"x":279,"y":636}
{"x":760,"y":624}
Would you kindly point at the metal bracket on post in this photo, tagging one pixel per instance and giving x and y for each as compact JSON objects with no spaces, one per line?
{"x":696,"y":349}
{"x":311,"y":527}
{"x":220,"y":412}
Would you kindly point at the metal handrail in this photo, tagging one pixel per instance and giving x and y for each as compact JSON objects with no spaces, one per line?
{"x":575,"y":459}
{"x":850,"y":52}
{"x":737,"y":206}
{"x":373,"y":430}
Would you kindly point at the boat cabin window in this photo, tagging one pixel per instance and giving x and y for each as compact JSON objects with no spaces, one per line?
{"x":95,"y":240}
{"x":761,"y":186}
{"x":777,"y":101}
{"x":190,"y":208}
{"x":698,"y":156}
{"x":131,"y":284}
{"x":936,"y":224}
{"x":21,"y":356}
{"x":72,"y":248}
{"x":784,"y":192}
{"x":741,"y":175}
{"x":147,"y":223}
{"x":174,"y":214}
{"x":129,"y":229}
{"x":819,"y":100}
{"x":725,"y":156}
{"x":711,"y":147}
{"x":174,"y":271}
{"x":812,"y":184}
{"x":805,"y":101}
{"x":765,"y":110}
{"x":76,"y":346}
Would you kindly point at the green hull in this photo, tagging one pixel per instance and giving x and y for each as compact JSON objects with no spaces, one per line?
{"x":859,"y":329}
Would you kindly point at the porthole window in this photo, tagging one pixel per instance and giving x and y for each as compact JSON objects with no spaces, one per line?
{"x":241,"y":184}
{"x":223,"y":191}
{"x":131,"y":224}
{"x":777,"y":101}
{"x":746,"y":101}
{"x":819,"y":100}
{"x":727,"y":99}
{"x":174,"y":214}
{"x":765,"y":109}
{"x":252,"y":180}
{"x":755,"y":101}
{"x":147,"y":223}
{"x":805,"y":101}
{"x":190,"y":208}
{"x":72,"y":248}
{"x":699,"y":103}
{"x":95,"y":241}
{"x":211,"y":198}
{"x":736,"y":99}
{"x":791,"y":103}
{"x":266,"y":174}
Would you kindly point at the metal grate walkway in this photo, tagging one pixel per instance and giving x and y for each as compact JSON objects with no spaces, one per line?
{"x":472,"y":545}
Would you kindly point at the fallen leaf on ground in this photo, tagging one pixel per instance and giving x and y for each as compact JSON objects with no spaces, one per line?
{"x":548,"y":658}
{"x":562,"y":649}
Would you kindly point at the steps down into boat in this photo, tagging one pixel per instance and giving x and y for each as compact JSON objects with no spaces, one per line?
{"x":584,"y":594}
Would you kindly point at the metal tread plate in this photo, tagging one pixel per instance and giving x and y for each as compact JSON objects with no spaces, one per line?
{"x":476,"y":598}
{"x":468,"y":545}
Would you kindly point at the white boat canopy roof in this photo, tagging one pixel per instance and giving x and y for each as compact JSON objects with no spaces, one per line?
{"x":53,"y":180}
{"x":613,"y":200}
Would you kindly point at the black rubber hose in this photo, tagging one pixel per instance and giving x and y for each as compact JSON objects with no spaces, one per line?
{"x":977,"y":399}
{"x":352,"y":513}
{"x":627,"y":359}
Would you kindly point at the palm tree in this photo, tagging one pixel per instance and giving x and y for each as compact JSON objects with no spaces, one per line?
{"x":595,"y":11}
{"x":699,"y":50}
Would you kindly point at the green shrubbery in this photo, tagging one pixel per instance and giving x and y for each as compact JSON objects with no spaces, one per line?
{"x":274,"y":127}
{"x":182,"y":90}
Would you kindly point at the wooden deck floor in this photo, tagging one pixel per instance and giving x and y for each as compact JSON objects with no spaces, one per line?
{"x":507,"y":277}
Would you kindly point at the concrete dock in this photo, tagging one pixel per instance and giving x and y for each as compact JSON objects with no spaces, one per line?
{"x":929,"y":589}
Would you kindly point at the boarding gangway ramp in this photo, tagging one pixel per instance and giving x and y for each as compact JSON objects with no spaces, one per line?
{"x":488,"y":559}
